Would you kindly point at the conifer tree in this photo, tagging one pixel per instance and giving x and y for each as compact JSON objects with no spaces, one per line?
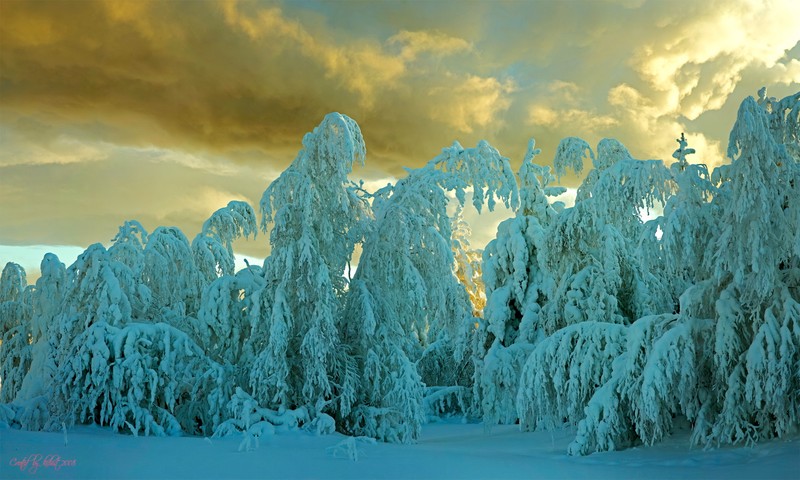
{"x":316,"y":216}
{"x":15,"y":330}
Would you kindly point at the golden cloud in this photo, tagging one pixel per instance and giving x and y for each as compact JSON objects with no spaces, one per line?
{"x":116,"y":109}
{"x":412,"y":44}
{"x":475,"y":102}
{"x":699,"y":57}
{"x":560,"y":107}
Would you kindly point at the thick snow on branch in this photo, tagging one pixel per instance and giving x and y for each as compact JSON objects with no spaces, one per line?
{"x":571,"y":153}
{"x":128,"y":246}
{"x":653,"y":381}
{"x":138,"y":378}
{"x":564,"y":372}
{"x":213,"y":246}
{"x":170,"y":272}
{"x":481,"y":168}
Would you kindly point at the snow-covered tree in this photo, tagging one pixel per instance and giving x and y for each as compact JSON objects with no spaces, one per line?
{"x":316,"y":192}
{"x":591,"y":246}
{"x":516,"y":289}
{"x":601,"y":285}
{"x":111,"y":363}
{"x":223,"y":321}
{"x":139,"y":377}
{"x":406,"y":296}
{"x":727,"y":363}
{"x":47,"y":301}
{"x":316,"y":217}
{"x":171,"y":275}
{"x":100,"y":289}
{"x":388,"y":403}
{"x":447,"y":325}
{"x":651,"y":383}
{"x":128,"y":246}
{"x":385,"y":322}
{"x":15,"y":330}
{"x":222,"y":326}
{"x":753,"y":294}
{"x":213,"y":246}
{"x":13,"y":281}
{"x":564,"y":371}
{"x":13,"y":310}
{"x":674,"y":245}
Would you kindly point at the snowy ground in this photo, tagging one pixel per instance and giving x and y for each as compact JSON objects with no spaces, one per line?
{"x":446,"y":450}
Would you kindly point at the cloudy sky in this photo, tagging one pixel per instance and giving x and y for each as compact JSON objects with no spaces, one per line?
{"x":163,"y":111}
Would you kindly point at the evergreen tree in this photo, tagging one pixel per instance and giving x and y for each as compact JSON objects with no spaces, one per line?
{"x":516,"y":288}
{"x":128,"y":246}
{"x":316,"y":217}
{"x":753,"y":293}
{"x":47,"y":301}
{"x":406,"y":296}
{"x":15,"y":330}
{"x":171,"y":275}
{"x":728,"y":361}
{"x":213,"y":246}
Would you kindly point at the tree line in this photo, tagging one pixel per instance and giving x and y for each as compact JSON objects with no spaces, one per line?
{"x":591,"y":318}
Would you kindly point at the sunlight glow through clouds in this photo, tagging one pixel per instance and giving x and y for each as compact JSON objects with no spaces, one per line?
{"x":30,"y":256}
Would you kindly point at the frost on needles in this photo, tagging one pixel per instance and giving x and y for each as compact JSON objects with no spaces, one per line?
{"x":583,"y":316}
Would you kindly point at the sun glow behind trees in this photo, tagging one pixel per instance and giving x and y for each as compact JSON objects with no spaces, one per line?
{"x":591,"y":317}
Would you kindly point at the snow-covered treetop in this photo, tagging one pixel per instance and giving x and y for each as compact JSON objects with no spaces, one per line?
{"x":131,"y":232}
{"x":418,"y":194}
{"x":682,"y":151}
{"x":233,"y":221}
{"x":314,"y":200}
{"x":648,"y":177}
{"x":635,"y":183}
{"x":51,"y":285}
{"x":213,"y":246}
{"x":610,"y":151}
{"x":784,"y":119}
{"x":12,"y":282}
{"x":101,"y":290}
{"x":170,"y":270}
{"x":571,"y":153}
{"x":327,"y":157}
{"x":334,"y":145}
{"x":51,"y":266}
{"x":533,"y":189}
{"x":128,"y":246}
{"x":483,"y":169}
{"x":751,"y":129}
{"x":619,"y":185}
{"x":50,"y":289}
{"x":693,"y":181}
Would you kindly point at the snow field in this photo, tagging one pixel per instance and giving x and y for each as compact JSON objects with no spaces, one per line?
{"x":445,"y":450}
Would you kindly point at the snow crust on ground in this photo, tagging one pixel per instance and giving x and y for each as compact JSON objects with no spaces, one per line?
{"x":445,"y":450}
